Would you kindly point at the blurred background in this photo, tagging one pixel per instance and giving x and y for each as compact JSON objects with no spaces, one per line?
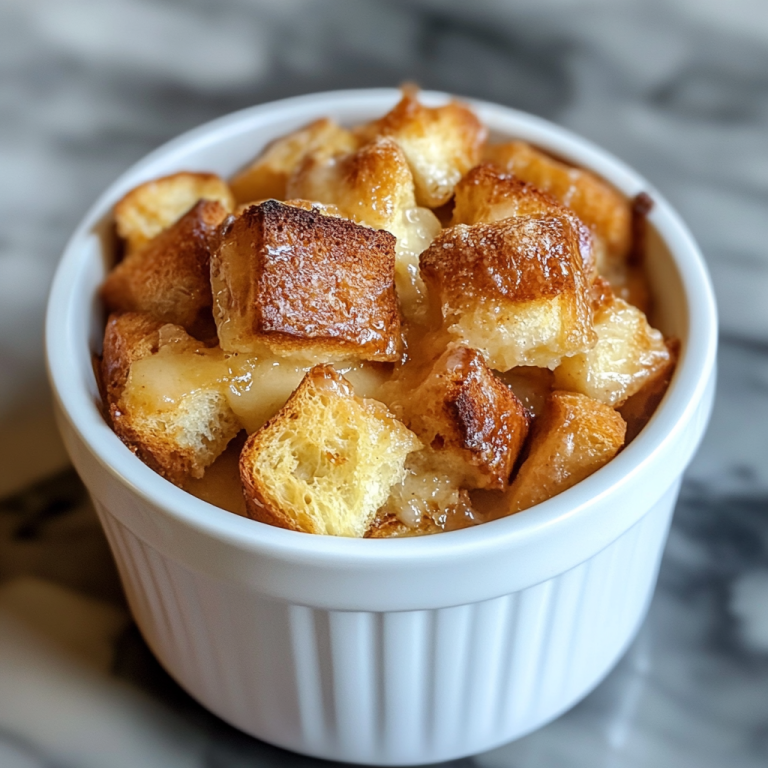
{"x":676,"y":88}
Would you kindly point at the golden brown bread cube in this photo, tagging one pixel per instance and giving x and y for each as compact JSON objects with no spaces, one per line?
{"x":169,"y":277}
{"x":374,"y":186}
{"x":153,"y":206}
{"x":370,"y":185}
{"x":487,"y":194}
{"x":628,"y":353}
{"x":574,"y":438}
{"x":296,"y":282}
{"x":166,"y":395}
{"x":440,"y":143}
{"x":326,"y":462}
{"x":472,"y":421}
{"x":515,"y":290}
{"x":267,"y":176}
{"x":594,"y":201}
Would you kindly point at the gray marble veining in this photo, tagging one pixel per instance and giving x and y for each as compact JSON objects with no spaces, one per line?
{"x":677,"y":89}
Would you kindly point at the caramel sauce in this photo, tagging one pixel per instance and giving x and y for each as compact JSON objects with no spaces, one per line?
{"x":256,"y":387}
{"x":416,"y":229}
{"x":221,"y":484}
{"x":259,"y":386}
{"x":430,"y":500}
{"x":531,"y":386}
{"x":159,"y":382}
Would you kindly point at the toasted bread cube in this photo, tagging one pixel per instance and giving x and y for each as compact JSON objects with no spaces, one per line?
{"x":297,"y":282}
{"x":486,"y":194}
{"x":515,"y":290}
{"x":375,"y":187}
{"x":267,"y":176}
{"x":153,"y":206}
{"x":628,"y":353}
{"x":371,"y":185}
{"x":574,"y":438}
{"x":169,"y":278}
{"x":639,"y":408}
{"x":326,"y":462}
{"x":166,"y":395}
{"x":440,"y":143}
{"x":593,"y":200}
{"x":472,"y":421}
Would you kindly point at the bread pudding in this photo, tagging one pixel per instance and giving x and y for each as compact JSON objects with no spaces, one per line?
{"x":385,"y":330}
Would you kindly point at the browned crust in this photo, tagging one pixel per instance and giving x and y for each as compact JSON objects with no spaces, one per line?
{"x":129,"y":198}
{"x":410,"y":115}
{"x":368,"y":186}
{"x":454,"y":125}
{"x":377,"y":172}
{"x":145,"y":206}
{"x":267,"y":176}
{"x":128,"y":337}
{"x":495,"y":186}
{"x":175,"y":465}
{"x":486,"y":186}
{"x":464,"y":411}
{"x":574,"y":437}
{"x":257,"y":509}
{"x":594,"y":201}
{"x":169,"y":278}
{"x":317,"y":282}
{"x":515,"y":260}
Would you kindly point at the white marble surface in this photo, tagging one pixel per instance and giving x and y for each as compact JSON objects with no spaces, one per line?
{"x":678,"y":89}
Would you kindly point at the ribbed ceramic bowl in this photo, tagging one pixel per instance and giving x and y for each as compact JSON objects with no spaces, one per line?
{"x":386,"y":651}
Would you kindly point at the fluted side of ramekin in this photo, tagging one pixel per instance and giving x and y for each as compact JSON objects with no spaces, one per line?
{"x":392,"y":687}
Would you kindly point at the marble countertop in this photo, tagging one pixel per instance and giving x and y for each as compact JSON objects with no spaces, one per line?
{"x":677,"y":89}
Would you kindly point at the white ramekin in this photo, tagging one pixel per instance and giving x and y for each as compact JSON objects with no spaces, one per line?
{"x":386,"y":651}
